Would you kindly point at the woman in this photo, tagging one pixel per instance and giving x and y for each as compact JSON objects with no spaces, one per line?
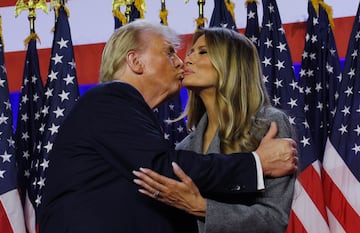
{"x":229,"y":110}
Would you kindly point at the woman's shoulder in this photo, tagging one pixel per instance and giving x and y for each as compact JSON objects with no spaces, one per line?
{"x":271,"y":113}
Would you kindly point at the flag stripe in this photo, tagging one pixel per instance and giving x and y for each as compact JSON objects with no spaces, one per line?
{"x":334,"y":224}
{"x":311,"y":181}
{"x":29,"y":213}
{"x":339,"y":206}
{"x":342,"y":177}
{"x":5,"y":226}
{"x":8,"y":3}
{"x":295,"y":225}
{"x":306,"y":211}
{"x":10,"y":204}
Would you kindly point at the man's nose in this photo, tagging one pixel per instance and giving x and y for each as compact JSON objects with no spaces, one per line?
{"x":178,"y":62}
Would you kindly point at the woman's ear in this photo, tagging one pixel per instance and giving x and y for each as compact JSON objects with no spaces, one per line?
{"x":134,"y":62}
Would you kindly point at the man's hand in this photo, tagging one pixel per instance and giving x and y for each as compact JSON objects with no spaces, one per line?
{"x":278,"y":156}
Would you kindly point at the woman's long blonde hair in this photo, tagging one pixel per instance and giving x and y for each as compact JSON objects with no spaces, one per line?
{"x":240,"y":90}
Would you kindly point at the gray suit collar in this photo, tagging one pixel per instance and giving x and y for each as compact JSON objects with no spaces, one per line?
{"x":196,"y":139}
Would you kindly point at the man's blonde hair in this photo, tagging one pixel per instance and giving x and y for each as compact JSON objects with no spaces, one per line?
{"x":132,"y":36}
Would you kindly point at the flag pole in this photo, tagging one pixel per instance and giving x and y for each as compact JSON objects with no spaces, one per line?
{"x":1,"y":34}
{"x":128,"y":10}
{"x":163,"y":13}
{"x":201,"y":20}
{"x":31,"y":5}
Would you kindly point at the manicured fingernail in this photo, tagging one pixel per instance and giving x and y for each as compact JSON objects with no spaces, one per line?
{"x":136,"y":173}
{"x":141,"y":191}
{"x":136,"y":181}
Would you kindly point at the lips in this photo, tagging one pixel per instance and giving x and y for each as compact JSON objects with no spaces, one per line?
{"x":181,"y":75}
{"x":186,"y":72}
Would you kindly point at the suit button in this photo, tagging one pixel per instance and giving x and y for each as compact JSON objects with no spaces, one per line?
{"x":235,"y":188}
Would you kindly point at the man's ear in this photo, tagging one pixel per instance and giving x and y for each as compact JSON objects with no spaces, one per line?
{"x":134,"y":62}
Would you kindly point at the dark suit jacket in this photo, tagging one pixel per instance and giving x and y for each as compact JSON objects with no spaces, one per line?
{"x":110,"y":132}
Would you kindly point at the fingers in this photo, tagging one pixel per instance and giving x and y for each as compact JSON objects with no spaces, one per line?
{"x":296,"y":162}
{"x":293,"y":153}
{"x":147,"y":188}
{"x":184,"y":178}
{"x":180,"y":173}
{"x":154,"y":176}
{"x":155,"y":194}
{"x":293,"y":159}
{"x":292,"y":142}
{"x":149,"y":181}
{"x":271,"y":133}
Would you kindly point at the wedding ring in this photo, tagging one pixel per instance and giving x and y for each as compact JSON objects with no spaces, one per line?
{"x":156,"y":194}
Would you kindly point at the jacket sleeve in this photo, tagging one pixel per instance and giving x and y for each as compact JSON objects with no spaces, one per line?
{"x":259,"y":212}
{"x":127,"y":135}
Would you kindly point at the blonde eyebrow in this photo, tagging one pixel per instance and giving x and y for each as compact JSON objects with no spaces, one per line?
{"x":202,"y":47}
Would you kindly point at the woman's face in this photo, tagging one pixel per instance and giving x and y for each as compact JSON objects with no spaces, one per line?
{"x":199,"y":72}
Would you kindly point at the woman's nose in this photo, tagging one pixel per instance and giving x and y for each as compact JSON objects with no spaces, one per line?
{"x":187,"y":60}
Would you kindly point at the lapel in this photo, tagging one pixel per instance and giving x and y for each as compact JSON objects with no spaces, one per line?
{"x":195,"y":139}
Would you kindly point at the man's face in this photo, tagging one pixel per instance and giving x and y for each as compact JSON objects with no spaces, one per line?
{"x":163,"y":69}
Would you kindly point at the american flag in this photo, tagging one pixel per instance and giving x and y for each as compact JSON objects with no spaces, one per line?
{"x":308,"y":212}
{"x":320,"y":73}
{"x":252,"y":30}
{"x":28,"y":122}
{"x":11,"y":212}
{"x":60,"y":94}
{"x":341,"y":165}
{"x":174,"y":132}
{"x":223,"y":15}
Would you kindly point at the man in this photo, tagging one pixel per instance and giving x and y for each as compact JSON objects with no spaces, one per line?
{"x":112,"y":131}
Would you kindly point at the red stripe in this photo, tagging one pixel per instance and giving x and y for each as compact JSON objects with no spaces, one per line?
{"x":4,"y":3}
{"x":295,"y":225}
{"x":7,"y":3}
{"x":88,"y":57}
{"x":5,"y":226}
{"x":340,"y":208}
{"x":312,"y":184}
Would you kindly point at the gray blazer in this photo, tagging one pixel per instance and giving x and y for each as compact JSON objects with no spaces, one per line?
{"x":262,"y":212}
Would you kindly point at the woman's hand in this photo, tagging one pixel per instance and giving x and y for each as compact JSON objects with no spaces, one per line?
{"x":183,"y":195}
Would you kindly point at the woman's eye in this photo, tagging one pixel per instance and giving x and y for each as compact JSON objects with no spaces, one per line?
{"x":203,"y":52}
